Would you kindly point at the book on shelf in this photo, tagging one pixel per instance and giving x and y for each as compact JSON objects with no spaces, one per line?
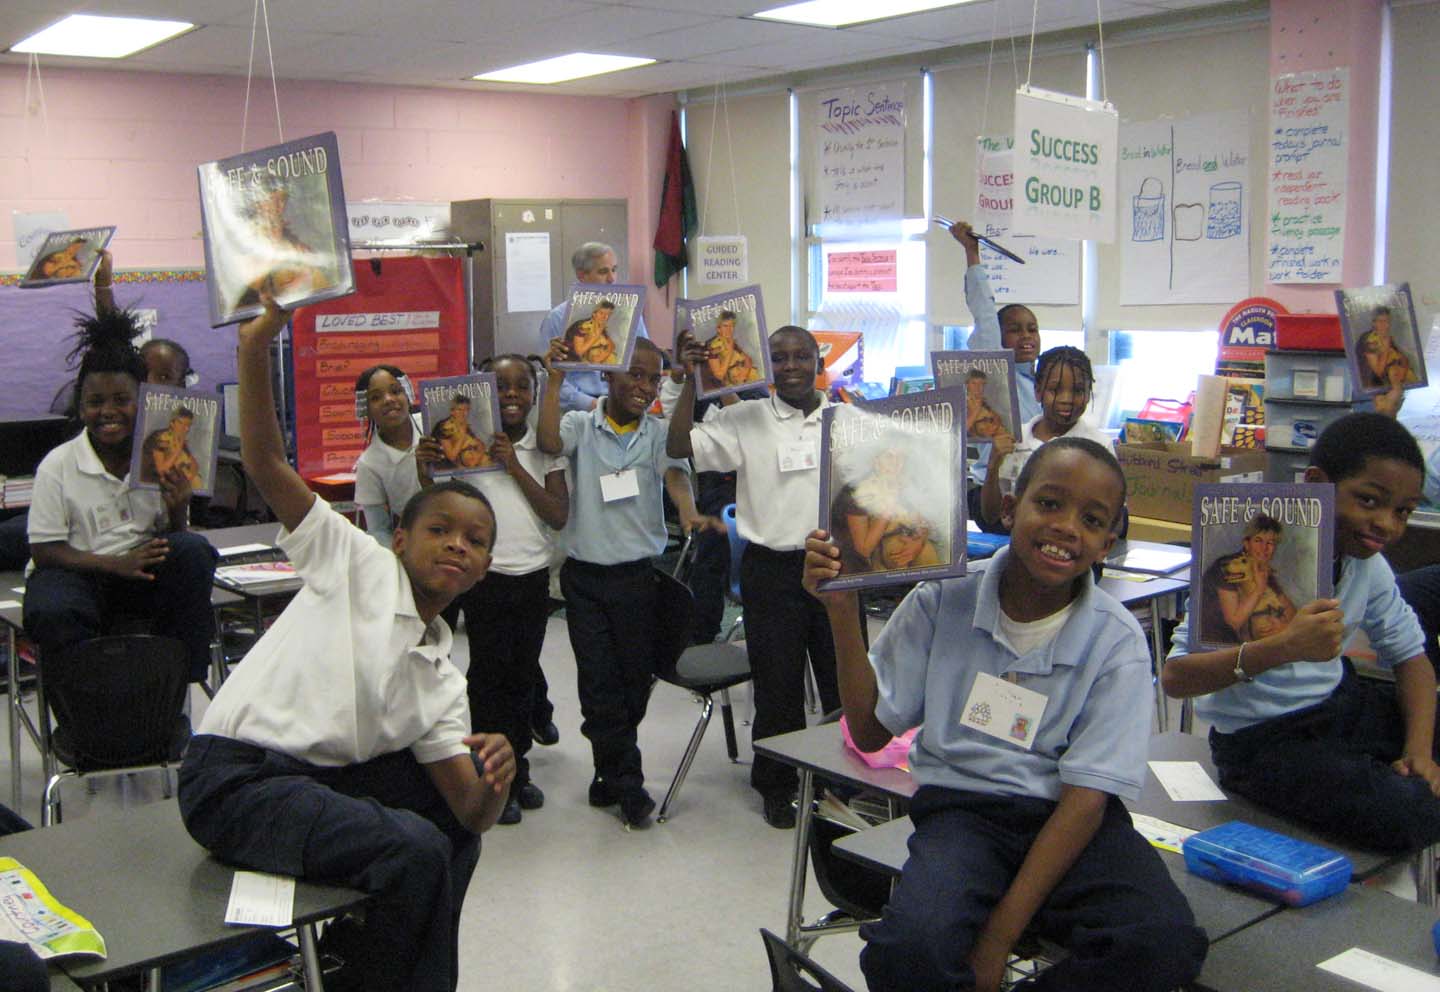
{"x":254,"y":573}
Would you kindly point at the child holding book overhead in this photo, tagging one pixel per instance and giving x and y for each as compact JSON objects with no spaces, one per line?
{"x":505,"y":615}
{"x":616,"y":528}
{"x":1063,"y":383}
{"x":339,"y":751}
{"x":1292,"y":727}
{"x":1031,"y":688}
{"x":386,"y":475}
{"x":103,"y":549}
{"x":773,"y":446}
{"x":1012,"y":326}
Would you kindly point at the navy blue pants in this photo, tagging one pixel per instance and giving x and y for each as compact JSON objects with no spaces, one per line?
{"x":505,"y":617}
{"x":1421,"y":589}
{"x":64,"y":607}
{"x":784,"y":626}
{"x":1329,"y":767}
{"x":380,"y":826}
{"x":1125,"y":924}
{"x":610,"y":611}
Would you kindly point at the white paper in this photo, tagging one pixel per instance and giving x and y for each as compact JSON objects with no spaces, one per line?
{"x":245,"y":549}
{"x":5,"y":604}
{"x":527,"y":271}
{"x":1309,"y":136}
{"x":31,"y":229}
{"x":860,"y":154}
{"x":1372,"y":970}
{"x":1186,"y":781}
{"x":398,"y":222}
{"x":260,"y":899}
{"x":1161,"y":833}
{"x":19,"y":589}
{"x":1065,"y":166}
{"x":1051,"y":273}
{"x":1185,"y":199}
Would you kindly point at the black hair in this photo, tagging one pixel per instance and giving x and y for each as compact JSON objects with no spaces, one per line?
{"x":362,"y":381}
{"x":529,"y":361}
{"x":648,"y":345}
{"x":1344,"y":448}
{"x":1064,"y":357}
{"x":793,"y":329}
{"x":605,"y":305}
{"x":105,"y":343}
{"x":182,"y":411}
{"x":460,"y":398}
{"x":1084,"y":445}
{"x":416,"y":504}
{"x":175,"y":346}
{"x":1263,"y":523}
{"x":1004,"y":311}
{"x":726,"y":315}
{"x":976,"y":374}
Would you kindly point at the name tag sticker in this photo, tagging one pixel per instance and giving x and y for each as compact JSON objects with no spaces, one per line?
{"x":616,"y":486}
{"x":798,"y":456}
{"x":1004,"y":710}
{"x":108,"y":516}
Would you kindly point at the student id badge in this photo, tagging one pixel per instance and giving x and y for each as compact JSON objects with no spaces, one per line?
{"x":1004,"y":710}
{"x":108,"y":516}
{"x":615,"y":486}
{"x":796,"y":456}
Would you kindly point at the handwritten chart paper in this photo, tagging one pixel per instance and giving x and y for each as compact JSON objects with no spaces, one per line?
{"x":1051,"y":273}
{"x":861,"y":271}
{"x":861,"y":154}
{"x":1308,"y":114}
{"x":1065,"y":158}
{"x":1184,"y":210}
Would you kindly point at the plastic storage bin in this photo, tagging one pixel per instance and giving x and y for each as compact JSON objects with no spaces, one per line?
{"x":1297,"y":423}
{"x":1272,"y":865}
{"x":1309,"y":330}
{"x":1307,"y":375}
{"x":1285,"y":466}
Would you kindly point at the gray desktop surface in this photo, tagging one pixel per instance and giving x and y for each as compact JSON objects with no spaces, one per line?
{"x":822,"y":750}
{"x":153,"y":893}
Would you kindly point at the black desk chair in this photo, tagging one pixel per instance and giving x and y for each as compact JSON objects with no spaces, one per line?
{"x":119,"y":702}
{"x":792,"y":971}
{"x":703,"y":670}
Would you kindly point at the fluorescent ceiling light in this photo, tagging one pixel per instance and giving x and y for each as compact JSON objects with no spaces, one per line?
{"x":91,"y":36}
{"x":838,"y":13}
{"x":561,"y":68}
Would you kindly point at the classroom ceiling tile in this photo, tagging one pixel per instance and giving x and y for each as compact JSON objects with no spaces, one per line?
{"x":737,"y":35}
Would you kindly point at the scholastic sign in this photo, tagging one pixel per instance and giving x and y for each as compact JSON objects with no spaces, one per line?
{"x":1065,"y":166}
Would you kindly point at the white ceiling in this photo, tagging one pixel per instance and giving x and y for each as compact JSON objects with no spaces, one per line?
{"x":443,"y":42}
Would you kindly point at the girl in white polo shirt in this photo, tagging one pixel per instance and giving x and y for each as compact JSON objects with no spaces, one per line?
{"x":386,"y":476}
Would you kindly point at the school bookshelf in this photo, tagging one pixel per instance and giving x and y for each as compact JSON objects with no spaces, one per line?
{"x":24,"y":441}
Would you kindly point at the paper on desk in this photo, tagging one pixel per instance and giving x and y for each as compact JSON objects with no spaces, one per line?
{"x":30,"y":915}
{"x":260,"y":899}
{"x":1371,"y":969}
{"x":1186,"y":781}
{"x":1160,"y":833}
{"x":1115,"y":573}
{"x":245,"y":549}
{"x":5,"y":604}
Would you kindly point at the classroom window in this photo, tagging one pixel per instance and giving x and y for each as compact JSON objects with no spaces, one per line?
{"x":1158,"y":365}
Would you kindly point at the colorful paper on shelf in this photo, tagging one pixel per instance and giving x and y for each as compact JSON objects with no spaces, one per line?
{"x":1065,"y":165}
{"x":1309,"y":139}
{"x":862,"y":271}
{"x":30,"y":915}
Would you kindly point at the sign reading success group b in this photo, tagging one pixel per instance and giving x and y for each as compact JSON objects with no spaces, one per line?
{"x":1065,"y":166}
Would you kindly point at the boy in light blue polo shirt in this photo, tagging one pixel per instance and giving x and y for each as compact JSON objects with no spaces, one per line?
{"x":1292,"y":728}
{"x":616,"y":528}
{"x":1031,"y":687}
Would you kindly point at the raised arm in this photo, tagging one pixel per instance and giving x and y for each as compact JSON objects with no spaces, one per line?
{"x":859,"y":693}
{"x":104,"y":284}
{"x":682,"y":420}
{"x":262,"y":449}
{"x":979,"y":299}
{"x":547,"y":429}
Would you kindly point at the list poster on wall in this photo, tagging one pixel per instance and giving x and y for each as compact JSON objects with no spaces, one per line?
{"x":1051,"y":273}
{"x":1065,"y":151}
{"x":1185,"y":198}
{"x":860,"y":154}
{"x":1308,"y":137}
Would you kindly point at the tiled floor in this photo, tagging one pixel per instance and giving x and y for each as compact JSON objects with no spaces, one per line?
{"x":569,"y":899}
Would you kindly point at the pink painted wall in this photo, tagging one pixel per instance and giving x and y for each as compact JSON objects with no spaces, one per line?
{"x":121,"y":148}
{"x":1309,"y":35}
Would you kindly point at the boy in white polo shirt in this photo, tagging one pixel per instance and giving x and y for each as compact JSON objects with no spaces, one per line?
{"x":1031,"y":688}
{"x":340,"y":750}
{"x":774,"y":447}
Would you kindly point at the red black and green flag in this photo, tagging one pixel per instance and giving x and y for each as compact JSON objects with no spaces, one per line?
{"x":678,"y":217}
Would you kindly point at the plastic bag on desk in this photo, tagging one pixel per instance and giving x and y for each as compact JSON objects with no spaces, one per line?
{"x":892,"y":755}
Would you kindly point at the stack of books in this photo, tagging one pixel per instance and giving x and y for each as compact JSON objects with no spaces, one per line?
{"x":16,"y":491}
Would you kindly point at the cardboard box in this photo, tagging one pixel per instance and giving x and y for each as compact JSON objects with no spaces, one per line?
{"x":1161,"y":477}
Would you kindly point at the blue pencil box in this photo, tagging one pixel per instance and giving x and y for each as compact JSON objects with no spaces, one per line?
{"x":1271,"y":865}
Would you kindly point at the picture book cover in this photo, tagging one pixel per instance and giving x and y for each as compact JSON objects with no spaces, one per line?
{"x":1260,"y":552}
{"x":462,"y":412}
{"x":905,"y":385}
{"x":600,"y":323}
{"x":1382,"y":338}
{"x":1141,"y":431}
{"x":1244,"y":413}
{"x":275,"y":218}
{"x":992,"y":405}
{"x":892,"y":488}
{"x":176,"y":430}
{"x":731,"y":326}
{"x":67,"y":256}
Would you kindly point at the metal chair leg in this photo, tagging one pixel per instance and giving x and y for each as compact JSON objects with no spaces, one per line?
{"x":812,"y":694}
{"x":1426,"y":863}
{"x":50,"y":800}
{"x":310,"y":955}
{"x":727,"y":718}
{"x":707,"y":707}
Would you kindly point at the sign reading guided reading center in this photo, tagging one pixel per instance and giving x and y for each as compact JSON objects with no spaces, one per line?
{"x":1065,"y":155}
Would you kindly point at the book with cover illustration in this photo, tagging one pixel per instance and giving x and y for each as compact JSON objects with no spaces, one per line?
{"x":892,"y":488}
{"x":731,"y":327}
{"x":462,"y":412}
{"x":176,"y":430}
{"x":67,"y":256}
{"x":1140,"y":431}
{"x":1382,"y":338}
{"x":992,"y":405}
{"x":905,"y":385}
{"x":1260,"y":552}
{"x":275,"y":219}
{"x":600,"y":326}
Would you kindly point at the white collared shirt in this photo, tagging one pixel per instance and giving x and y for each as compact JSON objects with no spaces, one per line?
{"x":523,"y":542}
{"x":1012,"y":464}
{"x":386,"y":476}
{"x":77,"y":501}
{"x":774,"y":508}
{"x":349,"y":671}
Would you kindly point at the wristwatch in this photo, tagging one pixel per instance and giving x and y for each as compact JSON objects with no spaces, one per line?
{"x":1240,"y":673}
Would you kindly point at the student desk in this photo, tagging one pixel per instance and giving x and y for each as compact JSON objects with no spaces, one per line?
{"x":256,"y":594}
{"x":1218,"y":910}
{"x":153,"y":893}
{"x":1283,"y":951}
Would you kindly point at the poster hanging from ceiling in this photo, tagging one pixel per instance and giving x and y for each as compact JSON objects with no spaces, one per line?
{"x":860,"y":154}
{"x":1051,"y":273}
{"x":1065,"y":165}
